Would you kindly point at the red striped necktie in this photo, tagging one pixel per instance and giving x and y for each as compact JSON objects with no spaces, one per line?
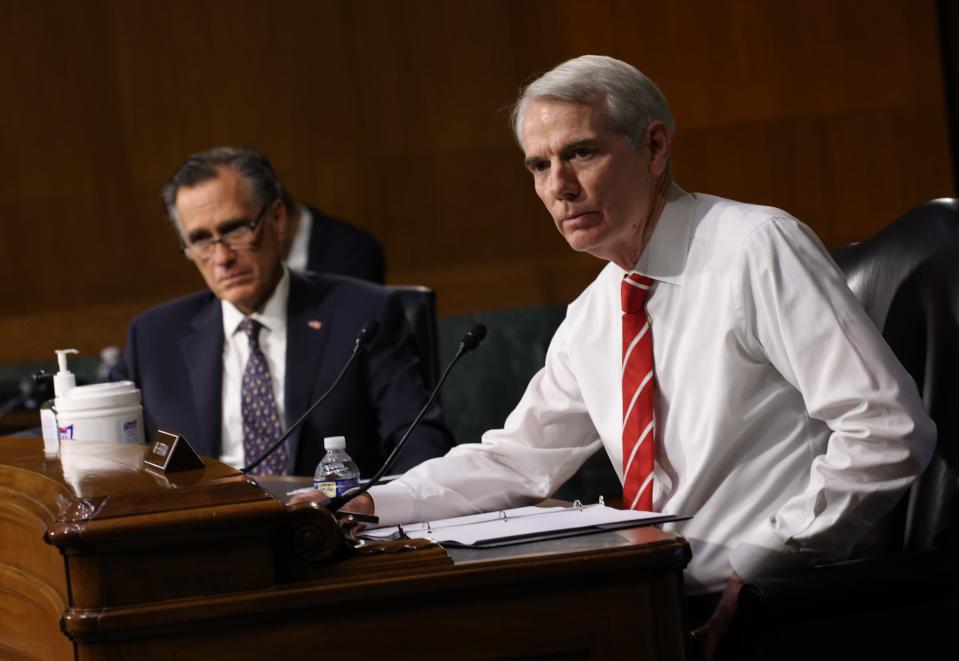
{"x":639,"y":392}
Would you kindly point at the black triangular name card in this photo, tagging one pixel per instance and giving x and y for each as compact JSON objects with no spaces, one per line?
{"x":171,"y":453}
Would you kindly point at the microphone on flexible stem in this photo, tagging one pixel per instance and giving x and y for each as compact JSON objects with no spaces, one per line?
{"x":363,"y":339}
{"x":470,"y":341}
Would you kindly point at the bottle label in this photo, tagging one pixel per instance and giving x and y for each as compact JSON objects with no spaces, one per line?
{"x":332,"y":488}
{"x":129,"y":431}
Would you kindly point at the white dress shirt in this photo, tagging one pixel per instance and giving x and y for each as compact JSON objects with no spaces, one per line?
{"x":785,"y":426}
{"x":236,"y":351}
{"x":299,"y":256}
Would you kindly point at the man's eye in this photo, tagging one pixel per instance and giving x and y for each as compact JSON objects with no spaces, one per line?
{"x":234,"y":232}
{"x":583,"y":152}
{"x":540,"y":166}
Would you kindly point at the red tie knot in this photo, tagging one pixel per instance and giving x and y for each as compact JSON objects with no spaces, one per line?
{"x":634,"y":289}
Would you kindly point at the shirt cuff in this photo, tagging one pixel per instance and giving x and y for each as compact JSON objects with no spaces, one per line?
{"x":750,"y":561}
{"x":393,"y":503}
{"x":765,"y":553}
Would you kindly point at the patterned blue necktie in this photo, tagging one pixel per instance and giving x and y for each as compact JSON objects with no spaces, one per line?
{"x":261,"y":419}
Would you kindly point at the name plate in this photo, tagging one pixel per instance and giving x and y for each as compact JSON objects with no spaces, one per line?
{"x":171,"y":453}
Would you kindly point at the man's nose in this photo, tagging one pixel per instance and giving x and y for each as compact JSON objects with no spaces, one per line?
{"x":222,"y":254}
{"x":563,"y":183}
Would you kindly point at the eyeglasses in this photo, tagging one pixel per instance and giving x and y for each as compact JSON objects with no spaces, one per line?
{"x":236,"y":237}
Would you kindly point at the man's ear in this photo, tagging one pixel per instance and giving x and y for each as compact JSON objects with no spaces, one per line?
{"x":657,"y":137}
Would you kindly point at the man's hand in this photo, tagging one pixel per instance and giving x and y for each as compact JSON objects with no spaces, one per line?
{"x":313,"y":496}
{"x":714,"y":630}
{"x":362,"y":504}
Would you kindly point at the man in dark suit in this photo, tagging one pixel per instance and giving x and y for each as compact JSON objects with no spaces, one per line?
{"x":317,"y":242}
{"x":231,"y":367}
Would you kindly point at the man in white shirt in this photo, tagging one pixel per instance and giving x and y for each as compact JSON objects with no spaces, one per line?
{"x":777,"y":416}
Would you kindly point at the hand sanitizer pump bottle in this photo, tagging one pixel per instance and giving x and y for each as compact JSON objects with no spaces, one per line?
{"x":63,"y":382}
{"x":106,"y":412}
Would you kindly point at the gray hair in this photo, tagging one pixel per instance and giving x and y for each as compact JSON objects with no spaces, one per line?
{"x":206,"y":165}
{"x":631,"y":99}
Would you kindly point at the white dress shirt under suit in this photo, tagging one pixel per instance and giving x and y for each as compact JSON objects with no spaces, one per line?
{"x":784,"y":424}
{"x":236,"y":351}
{"x":299,"y":256}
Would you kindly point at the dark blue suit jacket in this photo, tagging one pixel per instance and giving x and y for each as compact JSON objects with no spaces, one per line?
{"x":336,"y":246}
{"x":174,"y":354}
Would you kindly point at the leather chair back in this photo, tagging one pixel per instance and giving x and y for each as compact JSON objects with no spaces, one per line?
{"x":878,"y":267}
{"x":923,"y":330}
{"x":419,"y":305}
{"x":907,"y":278}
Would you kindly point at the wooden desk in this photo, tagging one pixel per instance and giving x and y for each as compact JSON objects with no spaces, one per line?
{"x":16,"y":421}
{"x":101,"y":559}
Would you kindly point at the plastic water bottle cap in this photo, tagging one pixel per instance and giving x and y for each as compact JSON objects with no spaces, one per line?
{"x":334,"y":442}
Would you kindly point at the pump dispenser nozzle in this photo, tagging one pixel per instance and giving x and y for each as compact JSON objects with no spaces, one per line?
{"x":64,"y":381}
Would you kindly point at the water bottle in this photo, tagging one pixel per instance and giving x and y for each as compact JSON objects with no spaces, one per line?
{"x":336,"y":472}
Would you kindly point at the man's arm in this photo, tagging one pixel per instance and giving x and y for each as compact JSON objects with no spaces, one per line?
{"x":543,"y":442}
{"x":799,"y":313}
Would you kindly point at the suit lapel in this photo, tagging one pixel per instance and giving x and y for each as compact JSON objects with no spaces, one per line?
{"x":202,"y":350}
{"x":308,"y":324}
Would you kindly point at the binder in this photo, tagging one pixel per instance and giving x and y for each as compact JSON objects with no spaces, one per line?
{"x":521,"y":525}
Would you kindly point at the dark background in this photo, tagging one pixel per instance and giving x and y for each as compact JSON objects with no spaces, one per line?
{"x":390,"y":114}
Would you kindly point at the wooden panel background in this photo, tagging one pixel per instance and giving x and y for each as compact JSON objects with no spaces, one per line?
{"x":390,"y":114}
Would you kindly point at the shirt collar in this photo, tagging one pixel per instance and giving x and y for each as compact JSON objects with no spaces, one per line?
{"x":664,"y":258}
{"x":272,"y":316}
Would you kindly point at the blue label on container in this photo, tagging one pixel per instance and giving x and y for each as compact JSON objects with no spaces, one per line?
{"x":333,"y":488}
{"x":130,"y":431}
{"x":342,"y":486}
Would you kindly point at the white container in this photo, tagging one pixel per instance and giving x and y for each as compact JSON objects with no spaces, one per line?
{"x":107,"y":412}
{"x":48,"y":424}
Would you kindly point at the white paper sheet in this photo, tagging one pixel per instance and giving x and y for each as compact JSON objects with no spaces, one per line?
{"x":518,"y":524}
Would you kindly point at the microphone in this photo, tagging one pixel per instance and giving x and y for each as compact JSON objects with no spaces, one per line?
{"x":367,"y":334}
{"x":363,"y":339}
{"x":470,"y":341}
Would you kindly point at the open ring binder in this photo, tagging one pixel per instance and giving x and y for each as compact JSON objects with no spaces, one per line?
{"x":522,"y":524}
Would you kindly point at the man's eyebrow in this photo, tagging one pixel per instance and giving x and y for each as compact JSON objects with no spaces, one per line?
{"x":578,"y":144}
{"x":565,"y":150}
{"x":530,"y":161}
{"x":197,"y":234}
{"x":221,"y":228}
{"x":231,"y":224}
